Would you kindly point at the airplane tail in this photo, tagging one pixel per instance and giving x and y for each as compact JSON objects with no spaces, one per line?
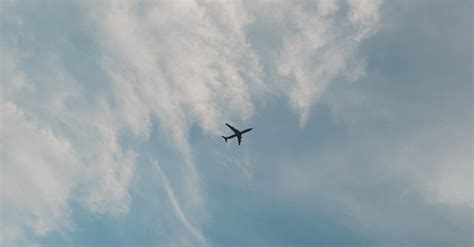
{"x":224,"y":138}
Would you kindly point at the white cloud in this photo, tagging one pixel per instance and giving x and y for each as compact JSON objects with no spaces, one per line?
{"x":54,"y":151}
{"x":37,"y":174}
{"x":323,"y":48}
{"x":177,"y":208}
{"x":179,"y":62}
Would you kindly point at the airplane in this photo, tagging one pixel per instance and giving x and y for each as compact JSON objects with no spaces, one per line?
{"x":237,"y":133}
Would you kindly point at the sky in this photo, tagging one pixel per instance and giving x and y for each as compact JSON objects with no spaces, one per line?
{"x":111,"y":114}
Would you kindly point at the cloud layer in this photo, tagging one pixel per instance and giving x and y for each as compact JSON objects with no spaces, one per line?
{"x":166,"y":64}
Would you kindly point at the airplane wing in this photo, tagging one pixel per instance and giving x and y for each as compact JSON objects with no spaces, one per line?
{"x":232,"y":128}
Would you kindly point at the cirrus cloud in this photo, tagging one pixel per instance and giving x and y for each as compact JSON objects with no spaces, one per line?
{"x":170,"y":64}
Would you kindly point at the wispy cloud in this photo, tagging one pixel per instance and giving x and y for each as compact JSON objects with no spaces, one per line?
{"x":177,"y":208}
{"x":53,"y":153}
{"x":57,"y":146}
{"x":180,"y":63}
{"x":395,"y":188}
{"x":37,"y":174}
{"x":323,"y":47}
{"x":171,"y":64}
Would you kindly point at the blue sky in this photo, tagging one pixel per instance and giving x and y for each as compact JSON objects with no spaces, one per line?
{"x":112,"y":112}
